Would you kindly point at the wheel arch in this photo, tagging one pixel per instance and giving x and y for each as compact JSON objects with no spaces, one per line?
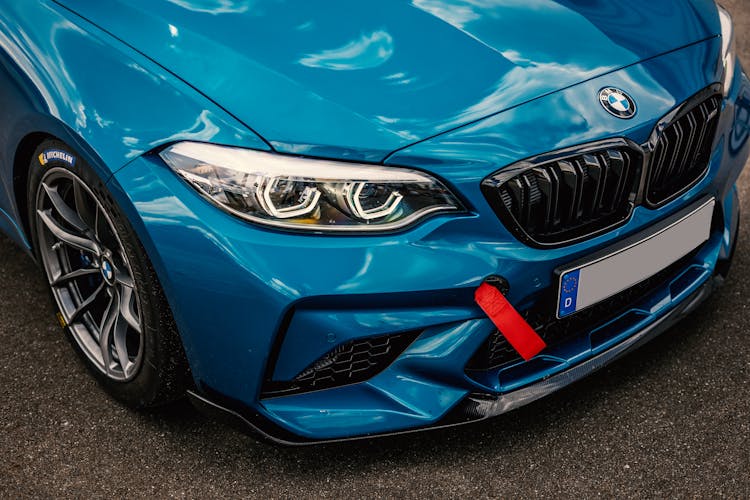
{"x":21,"y":161}
{"x":22,"y":158}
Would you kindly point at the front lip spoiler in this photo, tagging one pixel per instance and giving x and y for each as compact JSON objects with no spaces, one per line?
{"x":475,"y":407}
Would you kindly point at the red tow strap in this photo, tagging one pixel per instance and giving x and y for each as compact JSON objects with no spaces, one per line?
{"x":514,"y":328}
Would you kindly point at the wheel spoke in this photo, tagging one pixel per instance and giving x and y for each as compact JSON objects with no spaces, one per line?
{"x":113,"y":333}
{"x":86,"y":303}
{"x":106,"y":328}
{"x":96,"y":224}
{"x":64,"y":278}
{"x":126,"y":308}
{"x":67,"y":213}
{"x":66,"y":236}
{"x":83,"y":208}
{"x":120,"y":333}
{"x":124,"y":279}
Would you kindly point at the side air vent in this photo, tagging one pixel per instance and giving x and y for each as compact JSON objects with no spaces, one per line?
{"x":559,"y":201}
{"x":683,"y":151}
{"x":349,"y":363}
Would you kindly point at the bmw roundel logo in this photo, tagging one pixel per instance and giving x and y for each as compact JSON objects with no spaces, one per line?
{"x":617,"y":103}
{"x":107,"y":271}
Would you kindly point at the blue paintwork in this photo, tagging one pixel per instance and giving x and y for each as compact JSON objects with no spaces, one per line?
{"x":62,"y":81}
{"x":372,"y":81}
{"x":360,"y":79}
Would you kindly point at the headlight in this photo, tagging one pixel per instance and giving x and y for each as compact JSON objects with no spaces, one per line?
{"x":728,"y":48}
{"x":307,"y":194}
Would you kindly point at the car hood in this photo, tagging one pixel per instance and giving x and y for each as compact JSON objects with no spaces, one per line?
{"x":360,"y":79}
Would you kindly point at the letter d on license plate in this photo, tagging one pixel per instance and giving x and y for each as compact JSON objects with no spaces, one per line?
{"x":607,"y":273}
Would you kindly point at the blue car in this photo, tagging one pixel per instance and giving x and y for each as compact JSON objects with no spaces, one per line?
{"x":329,"y":220}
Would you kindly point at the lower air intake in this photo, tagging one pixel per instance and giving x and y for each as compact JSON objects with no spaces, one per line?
{"x":349,"y":363}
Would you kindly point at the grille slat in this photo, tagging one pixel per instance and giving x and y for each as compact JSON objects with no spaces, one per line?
{"x":534,"y":197}
{"x":595,"y":173}
{"x":570,"y":182}
{"x":556,"y":220}
{"x":598,"y":172}
{"x":549,"y":194}
{"x":621,"y":165}
{"x":581,"y":184}
{"x":676,"y":132}
{"x":690,"y":144}
{"x":682,"y":153}
{"x":657,"y":166}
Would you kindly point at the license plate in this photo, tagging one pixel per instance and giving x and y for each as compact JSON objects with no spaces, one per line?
{"x":584,"y":283}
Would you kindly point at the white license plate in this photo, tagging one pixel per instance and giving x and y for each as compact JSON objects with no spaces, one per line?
{"x":583,"y":284}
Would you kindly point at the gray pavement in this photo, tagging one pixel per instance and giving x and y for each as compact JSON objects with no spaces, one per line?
{"x":671,"y":419}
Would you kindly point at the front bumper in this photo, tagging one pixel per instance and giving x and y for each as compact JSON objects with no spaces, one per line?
{"x":473,"y":407}
{"x":254,"y":305}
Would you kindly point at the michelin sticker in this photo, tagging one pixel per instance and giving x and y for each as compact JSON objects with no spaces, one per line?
{"x":57,"y":154}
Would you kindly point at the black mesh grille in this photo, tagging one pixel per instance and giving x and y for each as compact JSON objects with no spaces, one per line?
{"x":682,"y":153}
{"x":349,"y":363}
{"x":496,"y":351}
{"x":563,"y":200}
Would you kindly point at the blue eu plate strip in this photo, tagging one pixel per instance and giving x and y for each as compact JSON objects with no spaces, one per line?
{"x":569,"y":292}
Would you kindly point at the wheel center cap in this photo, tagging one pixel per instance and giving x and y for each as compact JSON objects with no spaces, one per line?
{"x":108,"y":271}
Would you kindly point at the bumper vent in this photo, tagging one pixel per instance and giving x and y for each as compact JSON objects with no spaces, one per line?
{"x":349,"y":363}
{"x":569,"y":198}
{"x":683,"y":152}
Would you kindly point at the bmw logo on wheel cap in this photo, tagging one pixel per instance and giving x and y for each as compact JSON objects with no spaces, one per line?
{"x":617,"y":103}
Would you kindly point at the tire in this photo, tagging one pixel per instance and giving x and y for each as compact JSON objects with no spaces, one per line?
{"x":108,"y":297}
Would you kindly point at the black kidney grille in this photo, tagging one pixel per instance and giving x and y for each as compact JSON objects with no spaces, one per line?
{"x":682,"y":153}
{"x":352,"y":362}
{"x":563,"y":200}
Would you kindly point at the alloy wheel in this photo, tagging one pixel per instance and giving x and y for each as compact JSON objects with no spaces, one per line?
{"x":89,"y":274}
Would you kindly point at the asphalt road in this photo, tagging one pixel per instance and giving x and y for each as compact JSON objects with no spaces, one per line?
{"x":670,"y":419}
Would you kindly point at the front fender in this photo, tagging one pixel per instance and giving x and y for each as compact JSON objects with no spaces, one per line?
{"x":64,"y":77}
